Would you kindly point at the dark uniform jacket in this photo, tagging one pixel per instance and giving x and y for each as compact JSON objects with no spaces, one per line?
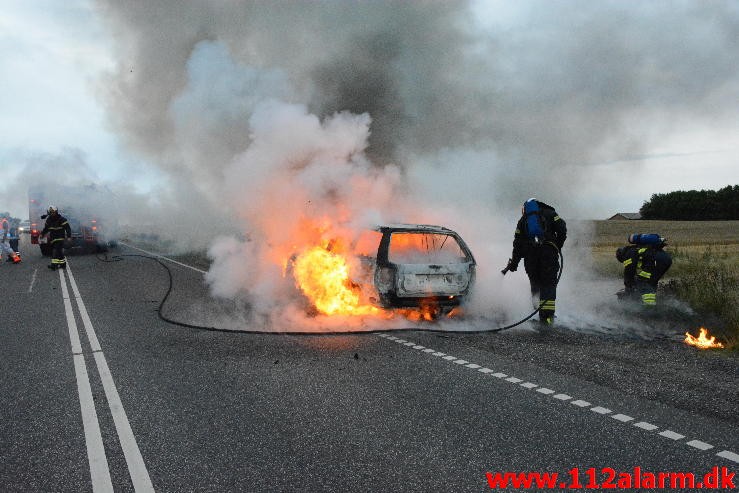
{"x":639,"y":264}
{"x":555,"y":232}
{"x":58,"y":227}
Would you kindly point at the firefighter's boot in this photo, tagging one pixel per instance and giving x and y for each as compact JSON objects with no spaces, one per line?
{"x":546,"y":312}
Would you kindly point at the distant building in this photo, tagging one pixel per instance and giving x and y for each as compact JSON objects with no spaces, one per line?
{"x":625,"y":216}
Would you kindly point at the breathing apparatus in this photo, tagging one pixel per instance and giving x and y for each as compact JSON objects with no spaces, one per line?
{"x":647,"y":239}
{"x":534,"y":227}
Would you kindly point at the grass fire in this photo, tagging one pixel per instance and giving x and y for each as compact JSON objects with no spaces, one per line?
{"x":703,"y":341}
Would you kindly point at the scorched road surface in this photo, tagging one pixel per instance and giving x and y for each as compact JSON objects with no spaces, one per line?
{"x":138,"y":404}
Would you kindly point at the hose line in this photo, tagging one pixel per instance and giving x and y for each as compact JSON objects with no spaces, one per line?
{"x":164,"y":318}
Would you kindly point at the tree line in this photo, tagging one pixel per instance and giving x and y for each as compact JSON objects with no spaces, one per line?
{"x":694,"y":205}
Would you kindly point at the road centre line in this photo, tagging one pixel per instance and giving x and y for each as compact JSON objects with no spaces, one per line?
{"x":99,"y":470}
{"x":136,"y":466}
{"x":33,"y":280}
{"x":163,"y":257}
{"x":697,"y":444}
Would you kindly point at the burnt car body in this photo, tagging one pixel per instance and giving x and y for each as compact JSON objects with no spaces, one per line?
{"x":414,"y":266}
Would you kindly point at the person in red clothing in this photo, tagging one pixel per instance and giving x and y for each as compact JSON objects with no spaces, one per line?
{"x":5,"y":236}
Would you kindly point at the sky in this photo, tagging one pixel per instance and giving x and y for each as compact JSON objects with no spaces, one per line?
{"x":592,"y":106}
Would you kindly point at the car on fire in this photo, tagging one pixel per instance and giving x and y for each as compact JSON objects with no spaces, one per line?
{"x":417,"y":265}
{"x":409,"y":266}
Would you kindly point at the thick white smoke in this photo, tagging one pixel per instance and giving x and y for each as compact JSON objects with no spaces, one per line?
{"x":301,"y":181}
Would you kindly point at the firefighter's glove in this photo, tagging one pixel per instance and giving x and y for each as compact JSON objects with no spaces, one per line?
{"x":511,"y":267}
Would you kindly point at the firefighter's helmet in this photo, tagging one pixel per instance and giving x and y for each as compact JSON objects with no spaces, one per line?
{"x":52,"y":209}
{"x":621,"y":253}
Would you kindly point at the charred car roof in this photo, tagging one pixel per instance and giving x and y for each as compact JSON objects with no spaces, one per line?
{"x":424,"y":228}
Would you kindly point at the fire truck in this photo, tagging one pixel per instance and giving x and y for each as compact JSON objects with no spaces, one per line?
{"x":90,"y":211}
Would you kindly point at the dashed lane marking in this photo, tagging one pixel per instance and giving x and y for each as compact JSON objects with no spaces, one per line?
{"x":33,"y":280}
{"x":671,"y":434}
{"x":580,"y":403}
{"x":699,"y":445}
{"x":601,"y":410}
{"x":729,"y":455}
{"x":646,"y":426}
{"x":623,"y":418}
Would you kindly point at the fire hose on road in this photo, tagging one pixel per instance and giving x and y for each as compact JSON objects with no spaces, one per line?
{"x":117,"y":258}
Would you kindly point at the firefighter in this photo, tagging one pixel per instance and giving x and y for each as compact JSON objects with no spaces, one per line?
{"x":645,"y":262}
{"x":5,"y":238}
{"x":540,"y":235}
{"x":59,"y":230}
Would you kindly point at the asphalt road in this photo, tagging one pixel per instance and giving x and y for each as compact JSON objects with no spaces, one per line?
{"x":141,"y":405}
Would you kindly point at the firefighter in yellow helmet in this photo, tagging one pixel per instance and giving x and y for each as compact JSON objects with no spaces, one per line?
{"x":58,"y":230}
{"x":5,"y":236}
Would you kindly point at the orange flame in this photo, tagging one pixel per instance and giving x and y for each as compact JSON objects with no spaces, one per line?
{"x":323,"y":276}
{"x":702,"y":341}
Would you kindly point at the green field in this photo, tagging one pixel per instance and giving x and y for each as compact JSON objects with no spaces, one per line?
{"x":705,"y":269}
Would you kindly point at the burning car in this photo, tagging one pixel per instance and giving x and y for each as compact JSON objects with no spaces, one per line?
{"x":416,"y":266}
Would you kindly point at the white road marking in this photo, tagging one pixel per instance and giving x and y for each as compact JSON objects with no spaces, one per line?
{"x":601,"y":410}
{"x":729,"y":455}
{"x":671,"y":434}
{"x":91,"y":336}
{"x":580,"y":403}
{"x":419,"y":347}
{"x":726,"y":454}
{"x":136,"y":466}
{"x":700,"y":445}
{"x":646,"y":426}
{"x":134,"y":460}
{"x":33,"y":279}
{"x":74,"y":336}
{"x":163,"y":257}
{"x":96,"y":458}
